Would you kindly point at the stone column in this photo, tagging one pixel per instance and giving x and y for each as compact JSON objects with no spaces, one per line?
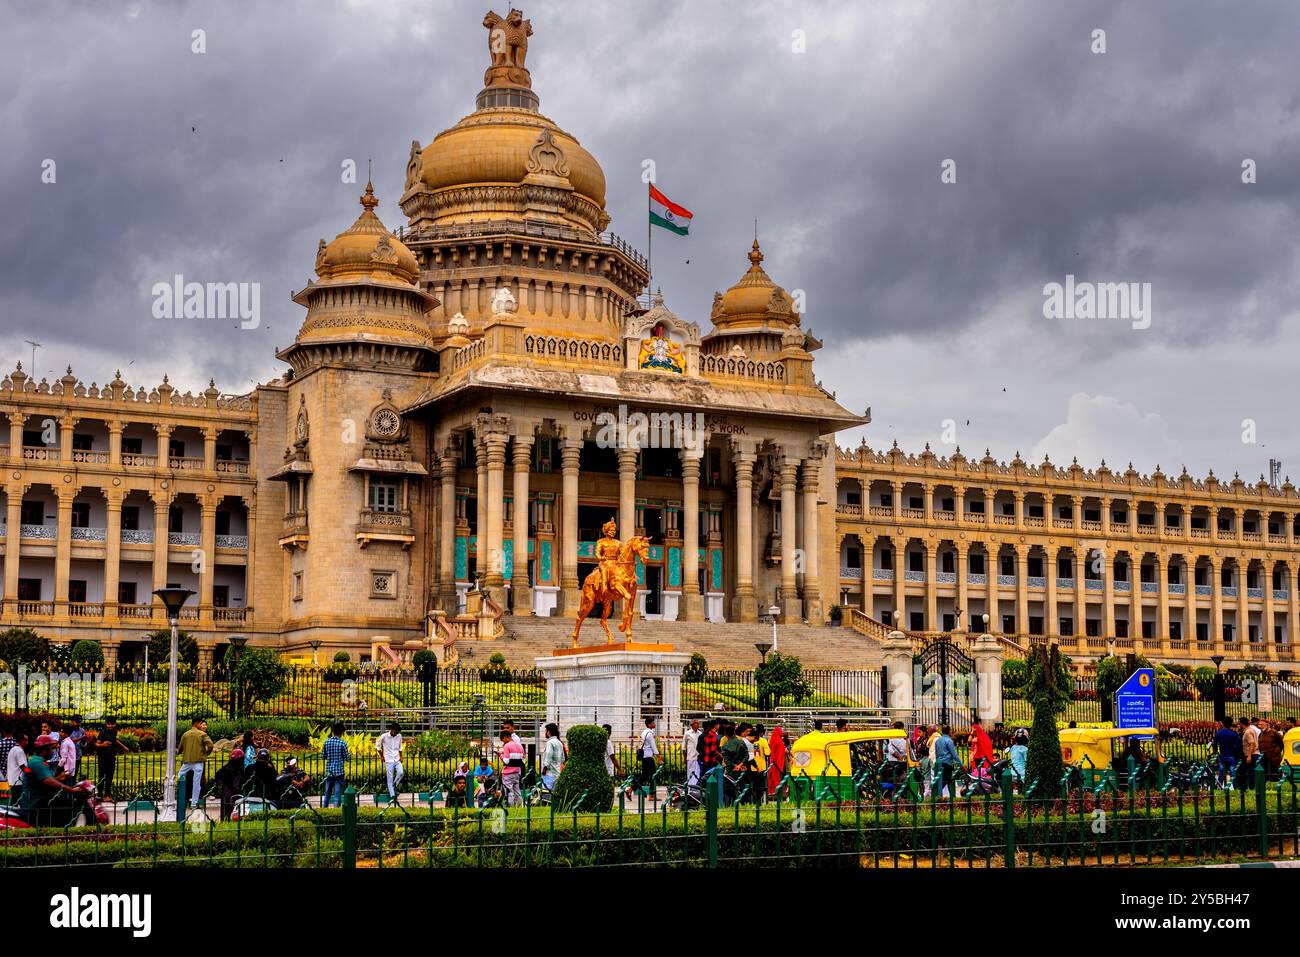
{"x":988,"y":677}
{"x":209,"y":557}
{"x":481,"y":509}
{"x":991,"y":570}
{"x":744,"y":604}
{"x":1292,"y":606}
{"x":13,"y":537}
{"x":897,"y":499}
{"x":626,"y":492}
{"x":812,"y":589}
{"x":1189,"y":599}
{"x":900,"y":585}
{"x":161,"y":502}
{"x":523,"y":462}
{"x":896,"y":656}
{"x":1269,"y":616}
{"x":1108,"y":593}
{"x":67,"y":424}
{"x":1022,"y":589}
{"x":1162,"y":615}
{"x":250,"y":559}
{"x":1052,"y":626}
{"x":16,"y":422}
{"x":1243,"y":605}
{"x":1020,"y":512}
{"x":63,"y":550}
{"x":1216,"y":607}
{"x":496,"y":442}
{"x":692,"y":600}
{"x":791,"y":607}
{"x":1076,"y":501}
{"x":115,"y":442}
{"x":447,"y":531}
{"x":112,"y":550}
{"x":962,"y":568}
{"x":570,"y":451}
{"x":932,"y":622}
{"x":210,"y":449}
{"x":1080,"y":596}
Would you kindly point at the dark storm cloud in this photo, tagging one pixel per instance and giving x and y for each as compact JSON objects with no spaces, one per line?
{"x":1117,"y":167}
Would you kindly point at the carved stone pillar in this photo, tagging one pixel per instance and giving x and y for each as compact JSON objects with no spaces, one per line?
{"x":745,"y":607}
{"x":570,"y":454}
{"x":521,"y":594}
{"x":791,"y":607}
{"x":692,"y":600}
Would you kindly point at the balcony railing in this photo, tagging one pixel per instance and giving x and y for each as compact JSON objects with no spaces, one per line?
{"x":1065,"y":583}
{"x":89,"y":534}
{"x":977,"y":578}
{"x":137,"y":536}
{"x":1281,"y":594}
{"x":1090,"y":526}
{"x":86,"y":609}
{"x":1204,"y":591}
{"x":90,"y":456}
{"x":1036,"y":581}
{"x":852,"y":574}
{"x":1177,"y":588}
{"x":192,"y":539}
{"x":1063,"y":523}
{"x":1200,"y":532}
{"x":885,"y":511}
{"x":1251,"y":536}
{"x":1004,"y":520}
{"x":942,"y":516}
{"x":1034,"y":522}
{"x":911,"y":576}
{"x":230,"y":614}
{"x":1006,"y":581}
{"x":138,"y":460}
{"x":1254,"y":593}
{"x":232,"y":541}
{"x":913,"y":513}
{"x":185,"y":463}
{"x":47,"y":532}
{"x":1123,"y":586}
{"x":946,"y":578}
{"x":232,"y":466}
{"x":882,"y":574}
{"x":1276,"y":539}
{"x":141,"y":612}
{"x":847,"y":508}
{"x":35,"y":609}
{"x":41,"y":453}
{"x":1228,"y":591}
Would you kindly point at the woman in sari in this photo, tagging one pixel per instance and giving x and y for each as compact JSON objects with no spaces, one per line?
{"x":780,"y":753}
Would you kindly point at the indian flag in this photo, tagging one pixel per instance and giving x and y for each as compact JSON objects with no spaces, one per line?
{"x":664,"y":212}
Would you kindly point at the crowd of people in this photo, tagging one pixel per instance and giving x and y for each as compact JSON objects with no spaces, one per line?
{"x":1238,"y":749}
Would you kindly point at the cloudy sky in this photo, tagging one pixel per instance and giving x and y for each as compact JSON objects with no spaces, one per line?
{"x":831,"y":123}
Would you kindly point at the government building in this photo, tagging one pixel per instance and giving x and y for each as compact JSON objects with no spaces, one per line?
{"x":470,"y":397}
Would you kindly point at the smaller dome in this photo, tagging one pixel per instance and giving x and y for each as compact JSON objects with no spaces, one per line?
{"x":755,"y":301}
{"x":367,"y":249}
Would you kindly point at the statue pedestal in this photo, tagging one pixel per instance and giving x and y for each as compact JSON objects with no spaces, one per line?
{"x":616,"y":684}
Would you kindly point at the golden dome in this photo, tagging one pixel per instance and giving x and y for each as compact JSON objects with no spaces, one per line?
{"x":366,"y":249}
{"x":755,"y":301}
{"x":503,"y":146}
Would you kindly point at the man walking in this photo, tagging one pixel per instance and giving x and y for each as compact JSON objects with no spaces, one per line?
{"x":552,"y":756}
{"x":946,"y":760}
{"x":612,"y":767}
{"x":690,"y":752}
{"x":1227,"y":744}
{"x":335,"y":753}
{"x":648,"y":751}
{"x":390,"y":745}
{"x":106,"y":748}
{"x":195,"y":748}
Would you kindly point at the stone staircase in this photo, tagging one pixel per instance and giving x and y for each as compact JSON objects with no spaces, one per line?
{"x":724,"y":645}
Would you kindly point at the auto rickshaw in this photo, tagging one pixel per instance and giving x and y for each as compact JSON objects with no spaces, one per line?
{"x":840,"y":765}
{"x":1097,"y":754}
{"x":1291,"y":756}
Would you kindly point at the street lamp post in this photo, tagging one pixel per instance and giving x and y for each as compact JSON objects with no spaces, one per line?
{"x":172,"y":599}
{"x":772,"y":613}
{"x":315,"y":647}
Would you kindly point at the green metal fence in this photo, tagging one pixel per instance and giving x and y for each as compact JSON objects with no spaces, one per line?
{"x":1119,"y":822}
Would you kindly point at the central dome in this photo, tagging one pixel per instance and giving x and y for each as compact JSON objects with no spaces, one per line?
{"x":503,"y":146}
{"x":505,"y":161}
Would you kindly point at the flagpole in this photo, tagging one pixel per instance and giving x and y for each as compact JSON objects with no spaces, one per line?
{"x":649,"y":244}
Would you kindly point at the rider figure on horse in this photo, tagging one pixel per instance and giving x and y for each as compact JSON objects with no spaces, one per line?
{"x":607,"y":553}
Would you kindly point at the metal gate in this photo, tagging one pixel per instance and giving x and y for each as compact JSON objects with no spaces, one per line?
{"x":946,"y":689}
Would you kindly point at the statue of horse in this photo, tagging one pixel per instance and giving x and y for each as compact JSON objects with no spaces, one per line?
{"x":638,"y":546}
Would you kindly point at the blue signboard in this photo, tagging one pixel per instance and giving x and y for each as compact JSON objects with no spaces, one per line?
{"x":1135,"y":701}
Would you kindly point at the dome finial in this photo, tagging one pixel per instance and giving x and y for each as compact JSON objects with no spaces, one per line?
{"x":755,"y":254}
{"x":368,"y":200}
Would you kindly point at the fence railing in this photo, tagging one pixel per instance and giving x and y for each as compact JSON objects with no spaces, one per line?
{"x":875,"y":822}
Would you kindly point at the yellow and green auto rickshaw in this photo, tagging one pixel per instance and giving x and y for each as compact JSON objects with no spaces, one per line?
{"x":1100,"y":754}
{"x":837,"y":766}
{"x":1291,"y":756}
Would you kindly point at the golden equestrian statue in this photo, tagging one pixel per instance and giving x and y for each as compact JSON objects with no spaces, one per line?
{"x":614,"y":580}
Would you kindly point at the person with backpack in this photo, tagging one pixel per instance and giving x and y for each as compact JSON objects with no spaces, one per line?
{"x":648,"y":751}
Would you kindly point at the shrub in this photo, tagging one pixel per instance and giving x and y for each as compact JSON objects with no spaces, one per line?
{"x":342,"y":657}
{"x":87,"y":656}
{"x":584,"y":784}
{"x":1203,"y":679}
{"x":23,"y":646}
{"x":445,"y":745}
{"x":1048,"y":689}
{"x":495,"y":669}
{"x":425,"y":663}
{"x":260,"y":675}
{"x":696,"y":668}
{"x":781,"y":678}
{"x":341,"y":670}
{"x":1014,"y":674}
